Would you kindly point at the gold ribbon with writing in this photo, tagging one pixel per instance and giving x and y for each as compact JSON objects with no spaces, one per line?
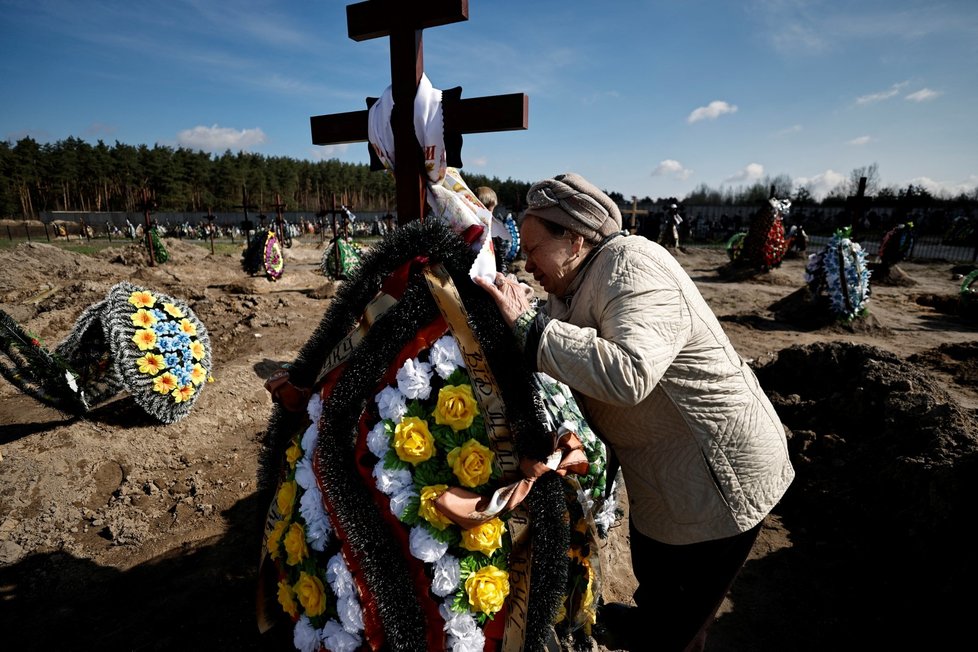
{"x":374,"y":310}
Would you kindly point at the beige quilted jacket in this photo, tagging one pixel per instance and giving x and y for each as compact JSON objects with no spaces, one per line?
{"x":702,"y":451}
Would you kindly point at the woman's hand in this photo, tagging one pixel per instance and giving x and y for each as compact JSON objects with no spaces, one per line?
{"x":509,"y":294}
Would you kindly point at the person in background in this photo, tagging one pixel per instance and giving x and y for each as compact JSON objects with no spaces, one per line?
{"x":501,"y":235}
{"x":703,"y":454}
{"x":669,"y":231}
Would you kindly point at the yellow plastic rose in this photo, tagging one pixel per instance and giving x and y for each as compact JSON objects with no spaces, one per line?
{"x":275,"y":538}
{"x":487,"y":589}
{"x":486,"y":538}
{"x":296,"y":549}
{"x":456,"y":407}
{"x":471,"y":463}
{"x":293,"y":454}
{"x":311,"y":594}
{"x":286,"y":598}
{"x":413,"y":442}
{"x":286,"y":498}
{"x":427,"y":509}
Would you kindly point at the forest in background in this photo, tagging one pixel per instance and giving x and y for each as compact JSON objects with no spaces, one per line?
{"x":74,"y":175}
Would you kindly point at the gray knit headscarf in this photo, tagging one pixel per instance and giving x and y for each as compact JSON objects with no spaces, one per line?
{"x":576,"y":204}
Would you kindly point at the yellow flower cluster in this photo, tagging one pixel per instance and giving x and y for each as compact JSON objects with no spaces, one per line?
{"x":303,"y":590}
{"x":472,"y":463}
{"x":184,"y":373}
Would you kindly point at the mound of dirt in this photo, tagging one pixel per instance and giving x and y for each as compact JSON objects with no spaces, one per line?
{"x":886,"y":474}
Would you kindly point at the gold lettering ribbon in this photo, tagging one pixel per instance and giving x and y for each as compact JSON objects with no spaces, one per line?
{"x":374,"y":311}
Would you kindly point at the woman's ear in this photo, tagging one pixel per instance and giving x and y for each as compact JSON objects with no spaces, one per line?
{"x":577,"y":244}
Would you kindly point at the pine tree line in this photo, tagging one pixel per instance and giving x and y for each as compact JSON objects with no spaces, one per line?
{"x":74,"y":175}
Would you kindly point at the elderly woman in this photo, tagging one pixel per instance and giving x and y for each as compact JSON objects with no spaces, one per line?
{"x":702,"y":451}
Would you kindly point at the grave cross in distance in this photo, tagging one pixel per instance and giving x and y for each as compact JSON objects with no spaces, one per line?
{"x":403,"y":21}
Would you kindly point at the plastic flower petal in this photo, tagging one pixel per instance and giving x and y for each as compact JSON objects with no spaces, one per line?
{"x":339,"y":577}
{"x":143,"y":318}
{"x":188,"y":327}
{"x":183,"y":393}
{"x":424,"y":546}
{"x":165,"y":384}
{"x":414,"y":379}
{"x":445,"y":356}
{"x":145,"y":339}
{"x":142,"y":299}
{"x":305,"y":637}
{"x":151,"y":363}
{"x":173,"y":311}
{"x":197,"y":374}
{"x":337,"y":639}
{"x":445,"y":575}
{"x":391,"y":404}
{"x":350,"y":613}
{"x":197,"y":350}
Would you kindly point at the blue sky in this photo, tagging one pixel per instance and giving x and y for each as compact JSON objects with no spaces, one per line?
{"x":641,"y":97}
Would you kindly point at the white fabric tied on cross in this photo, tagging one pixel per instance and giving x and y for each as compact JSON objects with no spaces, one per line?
{"x":448,"y":195}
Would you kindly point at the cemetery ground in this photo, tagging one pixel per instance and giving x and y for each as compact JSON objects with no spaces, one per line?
{"x":119,"y":533}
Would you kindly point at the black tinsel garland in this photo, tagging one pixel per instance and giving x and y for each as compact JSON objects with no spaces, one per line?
{"x":383,"y":564}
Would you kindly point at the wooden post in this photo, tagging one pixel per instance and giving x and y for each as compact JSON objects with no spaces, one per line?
{"x":856,"y":205}
{"x":403,"y":22}
{"x":146,"y":222}
{"x":210,"y":227}
{"x":245,"y":206}
{"x":27,"y":231}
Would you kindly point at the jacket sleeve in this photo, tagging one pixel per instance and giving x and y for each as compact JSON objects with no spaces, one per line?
{"x":633,"y":325}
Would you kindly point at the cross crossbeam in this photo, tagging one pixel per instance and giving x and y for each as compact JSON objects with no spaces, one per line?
{"x":403,"y":23}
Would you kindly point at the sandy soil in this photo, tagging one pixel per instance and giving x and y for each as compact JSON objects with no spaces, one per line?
{"x":118,"y":533}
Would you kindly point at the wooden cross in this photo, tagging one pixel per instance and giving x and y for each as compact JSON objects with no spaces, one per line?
{"x":403,"y":22}
{"x":147,"y":207}
{"x":633,"y":212}
{"x":246,"y":224}
{"x":857,"y":204}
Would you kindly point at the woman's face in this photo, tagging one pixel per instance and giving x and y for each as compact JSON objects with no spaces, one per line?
{"x":553,"y":261}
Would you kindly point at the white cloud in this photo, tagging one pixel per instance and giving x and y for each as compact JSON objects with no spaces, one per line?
{"x":711,"y":111}
{"x":923,"y":95}
{"x":793,"y":129}
{"x":872,"y":98}
{"x":671,"y":167}
{"x":861,"y":140}
{"x":752,"y":172}
{"x":326,"y":152}
{"x":821,"y":184}
{"x":943,"y":188}
{"x":219,"y":139}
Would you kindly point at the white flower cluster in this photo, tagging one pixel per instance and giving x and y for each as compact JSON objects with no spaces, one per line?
{"x":842,"y":266}
{"x":343,"y":635}
{"x":414,"y":381}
